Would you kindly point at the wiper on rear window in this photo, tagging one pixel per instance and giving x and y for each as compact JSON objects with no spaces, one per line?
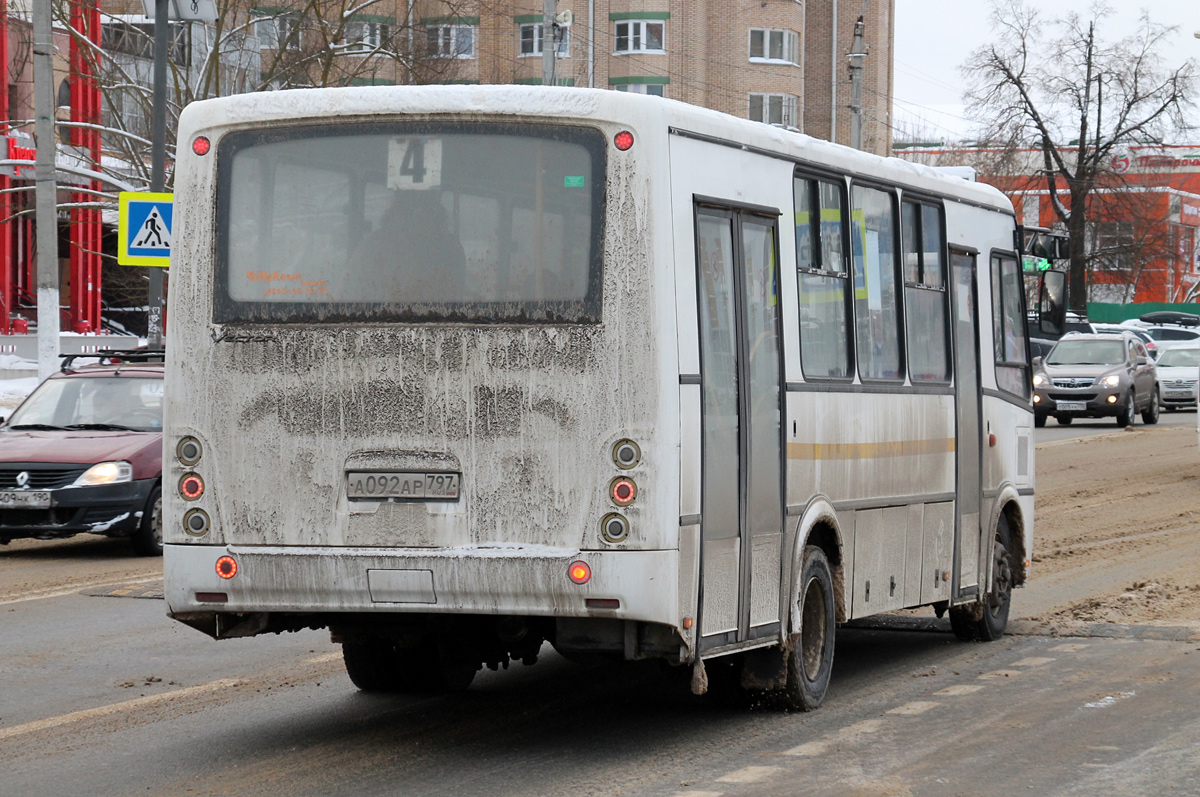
{"x":101,"y":427}
{"x":41,"y":427}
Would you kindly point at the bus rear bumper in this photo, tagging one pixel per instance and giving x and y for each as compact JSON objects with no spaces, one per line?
{"x":501,"y":580}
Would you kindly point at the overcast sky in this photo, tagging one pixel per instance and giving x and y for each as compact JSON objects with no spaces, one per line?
{"x":935,"y":37}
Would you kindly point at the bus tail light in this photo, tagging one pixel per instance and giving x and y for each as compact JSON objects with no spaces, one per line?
{"x":201,"y":145}
{"x":614,"y":528}
{"x":191,"y":486}
{"x":626,"y":454}
{"x":623,"y":491}
{"x":227,"y":567}
{"x":578,"y":572}
{"x":189,"y":451}
{"x":196,"y":523}
{"x":623,"y":140}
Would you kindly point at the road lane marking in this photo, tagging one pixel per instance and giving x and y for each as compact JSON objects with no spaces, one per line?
{"x":959,"y":689}
{"x":994,"y":674}
{"x":1032,"y":661}
{"x":851,"y":733}
{"x":698,"y":794}
{"x":749,"y":775}
{"x":1109,"y":700}
{"x":1070,"y":647}
{"x":37,"y":595}
{"x":915,"y":707}
{"x":116,"y":708}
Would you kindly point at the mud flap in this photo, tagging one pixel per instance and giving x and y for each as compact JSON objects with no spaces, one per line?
{"x":699,"y":678}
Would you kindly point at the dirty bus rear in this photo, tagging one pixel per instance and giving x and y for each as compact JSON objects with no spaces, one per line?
{"x":456,"y":371}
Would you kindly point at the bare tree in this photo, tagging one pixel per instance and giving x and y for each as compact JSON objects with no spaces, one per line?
{"x":1057,"y":87}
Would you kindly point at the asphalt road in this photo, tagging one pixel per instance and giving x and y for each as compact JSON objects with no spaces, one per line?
{"x":102,"y":695}
{"x":1084,"y":427}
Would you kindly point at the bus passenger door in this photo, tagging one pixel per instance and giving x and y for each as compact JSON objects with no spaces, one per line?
{"x":741,"y":505}
{"x":967,"y":410}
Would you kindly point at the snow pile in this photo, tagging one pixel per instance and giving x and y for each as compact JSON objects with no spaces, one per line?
{"x":14,"y":391}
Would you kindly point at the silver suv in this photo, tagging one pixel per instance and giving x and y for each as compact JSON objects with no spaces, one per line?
{"x":1095,"y":376}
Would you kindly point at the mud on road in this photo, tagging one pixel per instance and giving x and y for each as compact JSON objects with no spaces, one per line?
{"x":1117,"y":531}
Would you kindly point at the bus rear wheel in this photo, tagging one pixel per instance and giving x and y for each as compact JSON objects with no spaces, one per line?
{"x":810,"y":656}
{"x":377,"y":665}
{"x":985,"y":622}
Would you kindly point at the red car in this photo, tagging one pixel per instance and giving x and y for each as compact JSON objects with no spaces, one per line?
{"x":83,"y":454}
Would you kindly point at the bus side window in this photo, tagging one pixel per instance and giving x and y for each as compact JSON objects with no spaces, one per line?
{"x":823,"y":280}
{"x":876,"y":311}
{"x":1008,"y":327}
{"x":925,"y":306}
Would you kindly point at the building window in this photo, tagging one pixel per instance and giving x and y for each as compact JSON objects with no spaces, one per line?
{"x":640,"y":36}
{"x":451,"y":41}
{"x":531,"y":40}
{"x":277,"y":33}
{"x":653,"y":89}
{"x":781,"y":46}
{"x":134,"y":35}
{"x":774,"y":109}
{"x":366,"y":37}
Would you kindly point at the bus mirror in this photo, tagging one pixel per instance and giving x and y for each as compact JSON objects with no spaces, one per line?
{"x":1052,"y":304}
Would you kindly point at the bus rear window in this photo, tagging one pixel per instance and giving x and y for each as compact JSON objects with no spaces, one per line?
{"x":410,"y":222}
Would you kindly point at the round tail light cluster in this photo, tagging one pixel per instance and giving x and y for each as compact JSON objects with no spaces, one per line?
{"x":579,"y":572}
{"x":614,"y":528}
{"x":191,"y":486}
{"x":623,"y":491}
{"x":196,"y":523}
{"x":189,"y":451}
{"x":623,"y":140}
{"x":626,"y":454}
{"x":227,"y":567}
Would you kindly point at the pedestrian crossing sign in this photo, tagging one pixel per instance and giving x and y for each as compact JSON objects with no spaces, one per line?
{"x":144,"y":229}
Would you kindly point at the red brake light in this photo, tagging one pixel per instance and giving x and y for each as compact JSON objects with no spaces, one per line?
{"x":623,"y":491}
{"x":201,"y":145}
{"x":579,"y":572}
{"x":227,"y":567}
{"x":191,"y":486}
{"x":623,"y":140}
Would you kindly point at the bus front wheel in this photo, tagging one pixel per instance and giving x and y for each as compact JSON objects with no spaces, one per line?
{"x":986,"y":621}
{"x":810,"y":657}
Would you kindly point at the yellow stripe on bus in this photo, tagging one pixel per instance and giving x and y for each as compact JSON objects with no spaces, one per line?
{"x":899,"y":448}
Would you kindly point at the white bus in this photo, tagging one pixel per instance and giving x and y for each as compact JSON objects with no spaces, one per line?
{"x":458,"y":370}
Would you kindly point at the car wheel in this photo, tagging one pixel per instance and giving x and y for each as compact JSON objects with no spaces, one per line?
{"x":986,"y":622}
{"x":1150,"y":416}
{"x":1127,"y":412}
{"x":810,"y":657}
{"x":1064,"y":420}
{"x":148,"y":539}
{"x":1039,"y":421}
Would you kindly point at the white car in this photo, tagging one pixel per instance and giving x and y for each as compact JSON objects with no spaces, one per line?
{"x":1178,"y":373}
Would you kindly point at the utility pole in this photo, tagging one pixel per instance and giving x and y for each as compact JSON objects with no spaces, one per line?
{"x":158,"y":160}
{"x":548,"y":11}
{"x":46,"y":191}
{"x":856,"y":69}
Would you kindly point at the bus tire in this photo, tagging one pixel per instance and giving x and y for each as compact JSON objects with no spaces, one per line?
{"x":147,"y":540}
{"x":372,"y":664}
{"x":985,"y":622}
{"x":810,"y":654}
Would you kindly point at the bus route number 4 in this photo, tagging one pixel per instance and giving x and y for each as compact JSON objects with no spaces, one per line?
{"x":414,"y":163}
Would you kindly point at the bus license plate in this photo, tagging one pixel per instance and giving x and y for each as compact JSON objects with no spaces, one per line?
{"x":375,"y":486}
{"x":37,"y":499}
{"x":1071,"y":406}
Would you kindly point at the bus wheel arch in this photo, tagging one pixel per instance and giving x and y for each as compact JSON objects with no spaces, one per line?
{"x":818,"y":527}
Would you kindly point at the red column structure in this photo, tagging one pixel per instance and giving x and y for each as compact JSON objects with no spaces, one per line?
{"x":7,"y":294}
{"x":86,"y":228}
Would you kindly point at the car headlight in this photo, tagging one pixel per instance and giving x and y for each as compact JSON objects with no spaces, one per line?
{"x":105,"y":473}
{"x":1039,"y":380}
{"x":1112,"y":380}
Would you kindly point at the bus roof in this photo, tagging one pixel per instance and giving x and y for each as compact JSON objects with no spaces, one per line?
{"x":370,"y":102}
